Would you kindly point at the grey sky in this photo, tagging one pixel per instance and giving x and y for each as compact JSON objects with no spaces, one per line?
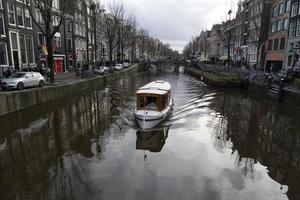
{"x":176,"y":21}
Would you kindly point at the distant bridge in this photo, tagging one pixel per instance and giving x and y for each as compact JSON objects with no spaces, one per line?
{"x":160,"y":65}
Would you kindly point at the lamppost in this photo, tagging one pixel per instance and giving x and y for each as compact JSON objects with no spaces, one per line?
{"x":229,"y":37}
{"x":94,"y":9}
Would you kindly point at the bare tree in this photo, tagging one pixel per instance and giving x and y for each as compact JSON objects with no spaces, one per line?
{"x":255,"y":37}
{"x":51,"y":20}
{"x":143,"y":35}
{"x":112,"y":24}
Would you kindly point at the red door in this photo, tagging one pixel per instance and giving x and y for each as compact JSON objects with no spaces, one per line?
{"x":58,"y":66}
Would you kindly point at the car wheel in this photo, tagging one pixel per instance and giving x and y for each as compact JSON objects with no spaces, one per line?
{"x":20,"y":86}
{"x":41,"y":83}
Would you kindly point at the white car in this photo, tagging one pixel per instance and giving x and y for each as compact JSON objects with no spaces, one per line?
{"x":21,"y":80}
{"x":118,"y":67}
{"x":126,"y":64}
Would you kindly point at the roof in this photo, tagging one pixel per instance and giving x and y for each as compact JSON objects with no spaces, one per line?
{"x":156,"y":87}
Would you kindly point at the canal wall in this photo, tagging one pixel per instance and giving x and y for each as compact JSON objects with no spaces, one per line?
{"x":215,"y":80}
{"x":289,"y":96}
{"x":18,"y":100}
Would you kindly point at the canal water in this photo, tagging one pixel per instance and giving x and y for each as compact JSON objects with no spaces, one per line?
{"x":217,"y":145}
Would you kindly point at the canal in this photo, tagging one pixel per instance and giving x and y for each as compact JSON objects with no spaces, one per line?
{"x":217,"y":145}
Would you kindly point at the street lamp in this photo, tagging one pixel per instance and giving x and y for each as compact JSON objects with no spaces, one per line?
{"x":229,"y":37}
{"x":93,"y":8}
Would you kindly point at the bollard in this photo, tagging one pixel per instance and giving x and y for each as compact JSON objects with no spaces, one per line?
{"x":281,"y":89}
{"x":269,"y":83}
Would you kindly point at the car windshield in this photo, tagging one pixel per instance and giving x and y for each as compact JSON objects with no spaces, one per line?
{"x":17,"y":75}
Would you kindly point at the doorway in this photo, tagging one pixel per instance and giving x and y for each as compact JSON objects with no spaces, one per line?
{"x":16,"y":60}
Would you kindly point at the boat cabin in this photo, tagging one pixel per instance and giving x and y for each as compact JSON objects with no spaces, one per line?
{"x":154,"y":96}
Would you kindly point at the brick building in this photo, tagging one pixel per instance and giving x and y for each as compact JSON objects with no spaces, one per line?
{"x":278,"y":34}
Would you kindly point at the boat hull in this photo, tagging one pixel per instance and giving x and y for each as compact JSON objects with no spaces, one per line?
{"x":149,"y":119}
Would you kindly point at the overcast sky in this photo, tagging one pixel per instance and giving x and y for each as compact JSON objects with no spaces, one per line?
{"x":176,"y":21}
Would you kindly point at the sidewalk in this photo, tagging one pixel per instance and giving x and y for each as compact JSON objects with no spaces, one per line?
{"x":63,"y":78}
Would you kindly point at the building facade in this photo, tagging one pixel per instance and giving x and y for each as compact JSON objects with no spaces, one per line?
{"x":257,"y":19}
{"x":19,"y":35}
{"x":293,"y":44}
{"x":278,"y":34}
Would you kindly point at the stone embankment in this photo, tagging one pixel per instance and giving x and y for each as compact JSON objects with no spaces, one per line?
{"x":17,"y":100}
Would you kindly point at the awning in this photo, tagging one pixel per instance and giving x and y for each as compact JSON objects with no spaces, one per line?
{"x":224,"y":57}
{"x":204,"y":60}
{"x":275,"y":57}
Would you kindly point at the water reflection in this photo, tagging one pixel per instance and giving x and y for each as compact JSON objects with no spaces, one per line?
{"x":152,"y":140}
{"x":260,"y":132}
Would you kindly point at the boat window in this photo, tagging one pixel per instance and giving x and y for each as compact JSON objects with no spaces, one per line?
{"x":148,"y":103}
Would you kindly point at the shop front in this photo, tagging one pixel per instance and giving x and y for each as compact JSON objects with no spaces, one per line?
{"x":59,"y":62}
{"x":274,"y":62}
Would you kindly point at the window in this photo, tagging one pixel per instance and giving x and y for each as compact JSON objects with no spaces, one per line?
{"x":292,"y":31}
{"x":276,"y":43}
{"x":274,"y":27}
{"x":11,"y":14}
{"x":288,"y":6}
{"x":148,"y":103}
{"x":30,"y":52}
{"x":291,"y":47}
{"x":3,"y":54}
{"x":275,"y":11}
{"x":290,"y":60}
{"x":57,"y":43}
{"x":282,"y":44}
{"x":294,"y":9}
{"x":79,"y":5}
{"x":55,"y":4}
{"x":28,"y":22}
{"x":298,"y":28}
{"x":281,"y":8}
{"x":20,"y":16}
{"x":70,"y":44}
{"x":286,"y":24}
{"x":23,"y":48}
{"x":14,"y":41}
{"x":2,"y":25}
{"x":270,"y":45}
{"x":42,"y":40}
{"x":69,"y":27}
{"x":279,"y":25}
{"x":39,"y":17}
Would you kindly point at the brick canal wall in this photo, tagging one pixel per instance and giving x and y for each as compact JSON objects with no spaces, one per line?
{"x":290,"y":97}
{"x":215,"y":80}
{"x":18,"y":100}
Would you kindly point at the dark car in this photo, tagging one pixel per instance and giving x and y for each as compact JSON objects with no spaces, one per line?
{"x":1,"y":77}
{"x":101,"y":70}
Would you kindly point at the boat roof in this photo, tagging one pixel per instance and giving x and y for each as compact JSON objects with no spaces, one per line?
{"x":156,"y":87}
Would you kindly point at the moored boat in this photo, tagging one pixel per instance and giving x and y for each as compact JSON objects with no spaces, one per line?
{"x":154,"y":104}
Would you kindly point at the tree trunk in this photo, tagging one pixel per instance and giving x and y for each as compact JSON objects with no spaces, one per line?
{"x":50,"y":60}
{"x":110,"y":54}
{"x":257,"y":57}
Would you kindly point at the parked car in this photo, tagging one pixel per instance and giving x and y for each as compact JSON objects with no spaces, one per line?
{"x":1,"y":78}
{"x":21,"y":80}
{"x":118,"y":67}
{"x":125,"y":64}
{"x":101,"y":70}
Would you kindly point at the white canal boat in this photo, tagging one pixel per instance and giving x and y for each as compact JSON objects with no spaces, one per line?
{"x":154,"y":104}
